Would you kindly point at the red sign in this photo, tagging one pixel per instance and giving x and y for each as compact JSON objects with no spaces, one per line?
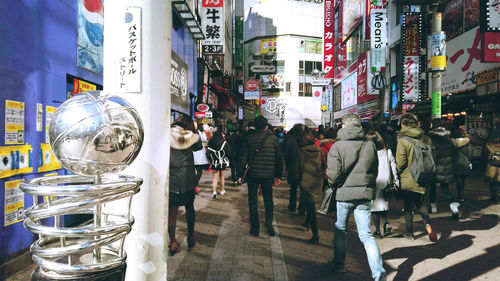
{"x":199,"y":114}
{"x":407,"y":106}
{"x":363,"y":79}
{"x":251,"y":85}
{"x":202,"y":107}
{"x":212,"y":3}
{"x":341,"y":51}
{"x":491,"y":47}
{"x":329,"y":39}
{"x":412,"y":35}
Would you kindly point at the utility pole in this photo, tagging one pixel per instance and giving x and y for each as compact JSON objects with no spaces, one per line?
{"x":438,"y":61}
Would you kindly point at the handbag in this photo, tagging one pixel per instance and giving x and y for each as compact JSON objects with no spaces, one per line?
{"x":244,"y":175}
{"x":390,"y":189}
{"x":494,"y":159}
{"x":329,"y":193}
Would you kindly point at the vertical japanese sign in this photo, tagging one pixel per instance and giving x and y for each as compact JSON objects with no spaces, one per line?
{"x":238,"y":52}
{"x":378,"y":42}
{"x":49,"y":115}
{"x":329,"y":40}
{"x":90,"y":35}
{"x":14,"y":202}
{"x":14,"y":122}
{"x":179,"y":84}
{"x":340,"y":50}
{"x":363,"y":91}
{"x":212,"y":22}
{"x":411,"y":49}
{"x":327,"y":100}
{"x":130,"y":54}
{"x":39,"y":117}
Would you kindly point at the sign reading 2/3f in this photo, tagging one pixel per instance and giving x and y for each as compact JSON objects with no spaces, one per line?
{"x":212,"y":49}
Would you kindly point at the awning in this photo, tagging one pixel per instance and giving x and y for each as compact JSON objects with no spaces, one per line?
{"x":189,"y":18}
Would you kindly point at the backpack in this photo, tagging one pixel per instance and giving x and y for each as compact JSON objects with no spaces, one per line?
{"x":218,"y":158}
{"x":423,"y":166}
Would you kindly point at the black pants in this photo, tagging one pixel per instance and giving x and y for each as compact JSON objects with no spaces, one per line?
{"x":234,"y":173}
{"x":446,"y":191}
{"x":311,"y":217}
{"x":266,"y":185}
{"x":460,"y":183}
{"x":199,"y":172}
{"x":292,"y":202}
{"x":420,"y":201}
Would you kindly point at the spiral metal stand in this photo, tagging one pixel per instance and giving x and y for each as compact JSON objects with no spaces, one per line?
{"x":64,"y":253}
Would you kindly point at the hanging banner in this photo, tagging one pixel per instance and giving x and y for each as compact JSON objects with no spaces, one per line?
{"x":378,"y":42}
{"x":212,"y":22}
{"x":49,"y":114}
{"x":328,"y":40}
{"x":14,"y":202}
{"x":411,"y":49}
{"x":436,"y":103}
{"x":327,"y":100}
{"x":130,"y":52}
{"x":317,"y":93}
{"x":14,"y":122}
{"x":90,"y":26}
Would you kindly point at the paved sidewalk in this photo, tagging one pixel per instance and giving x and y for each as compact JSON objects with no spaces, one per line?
{"x":466,"y":250}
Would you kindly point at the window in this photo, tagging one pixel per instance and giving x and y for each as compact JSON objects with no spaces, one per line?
{"x":305,"y":76}
{"x":355,"y":46}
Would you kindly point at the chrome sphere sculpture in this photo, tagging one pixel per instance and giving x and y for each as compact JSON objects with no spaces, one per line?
{"x":92,"y":135}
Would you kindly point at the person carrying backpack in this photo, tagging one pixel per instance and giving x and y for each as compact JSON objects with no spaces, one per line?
{"x":218,"y":154}
{"x":415,"y":164}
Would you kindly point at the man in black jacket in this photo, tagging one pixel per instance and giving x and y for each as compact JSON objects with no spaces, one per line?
{"x":261,"y":150}
{"x":352,"y":170}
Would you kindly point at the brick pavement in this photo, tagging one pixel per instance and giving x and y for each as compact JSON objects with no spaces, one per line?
{"x":466,"y":250}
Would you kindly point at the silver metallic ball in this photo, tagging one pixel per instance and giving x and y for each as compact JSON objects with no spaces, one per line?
{"x":95,"y":133}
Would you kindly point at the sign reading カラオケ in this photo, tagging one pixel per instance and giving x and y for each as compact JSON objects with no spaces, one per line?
{"x":329,"y":40}
{"x":212,"y":21}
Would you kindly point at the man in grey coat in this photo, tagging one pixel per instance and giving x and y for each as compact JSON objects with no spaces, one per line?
{"x":352,"y":170}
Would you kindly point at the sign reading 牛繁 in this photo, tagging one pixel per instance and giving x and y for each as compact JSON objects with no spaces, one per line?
{"x":212,"y":24}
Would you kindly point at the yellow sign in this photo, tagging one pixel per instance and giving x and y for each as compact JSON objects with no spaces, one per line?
{"x":267,"y":45}
{"x":15,"y":160}
{"x":49,"y":161}
{"x":14,"y":202}
{"x":80,"y":86}
{"x":14,"y":122}
{"x":438,"y":62}
{"x":487,"y":77}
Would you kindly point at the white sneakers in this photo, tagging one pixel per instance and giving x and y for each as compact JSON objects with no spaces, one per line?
{"x":214,"y":194}
{"x":434,"y":208}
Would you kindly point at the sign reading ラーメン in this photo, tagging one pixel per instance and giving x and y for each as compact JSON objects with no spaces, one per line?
{"x":179,"y":84}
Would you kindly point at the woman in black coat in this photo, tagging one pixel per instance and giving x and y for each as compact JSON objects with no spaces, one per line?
{"x":218,"y":154}
{"x":184,"y":139}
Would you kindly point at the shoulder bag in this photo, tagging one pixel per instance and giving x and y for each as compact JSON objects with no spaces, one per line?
{"x":326,"y":205}
{"x":244,"y":176}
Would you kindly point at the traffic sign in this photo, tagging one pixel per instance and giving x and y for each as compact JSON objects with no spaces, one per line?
{"x":378,"y":82}
{"x":251,"y":85}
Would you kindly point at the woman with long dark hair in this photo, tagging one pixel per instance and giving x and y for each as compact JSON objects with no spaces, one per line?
{"x":387,"y":174}
{"x":218,"y":153}
{"x":184,"y":139}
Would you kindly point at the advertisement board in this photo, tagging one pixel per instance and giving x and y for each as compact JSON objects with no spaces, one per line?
{"x":352,"y":16}
{"x":490,"y":47}
{"x":272,"y":82}
{"x":328,"y":39}
{"x":464,"y":62}
{"x":179,"y":84}
{"x":267,"y":45}
{"x":437,"y":51}
{"x":453,"y":19}
{"x":90,"y":28}
{"x":471,"y":13}
{"x":349,"y":91}
{"x":494,"y":15}
{"x":212,"y":23}
{"x":411,"y":48}
{"x":378,"y":42}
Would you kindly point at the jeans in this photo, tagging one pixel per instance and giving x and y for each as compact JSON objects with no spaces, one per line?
{"x":266,"y":185}
{"x":362,"y":214}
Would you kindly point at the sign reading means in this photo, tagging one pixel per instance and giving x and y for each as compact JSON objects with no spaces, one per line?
{"x":378,"y":42}
{"x":379,"y":82}
{"x":263,"y":68}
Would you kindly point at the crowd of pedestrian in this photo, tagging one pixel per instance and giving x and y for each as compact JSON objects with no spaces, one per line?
{"x":366,"y":165}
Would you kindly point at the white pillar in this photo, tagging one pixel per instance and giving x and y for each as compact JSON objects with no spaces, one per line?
{"x":146,"y":245}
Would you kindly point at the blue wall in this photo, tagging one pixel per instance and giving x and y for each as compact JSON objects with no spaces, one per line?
{"x":38,"y":47}
{"x":184,"y":45}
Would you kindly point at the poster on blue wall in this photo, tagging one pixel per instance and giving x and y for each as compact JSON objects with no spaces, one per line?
{"x":90,"y":34}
